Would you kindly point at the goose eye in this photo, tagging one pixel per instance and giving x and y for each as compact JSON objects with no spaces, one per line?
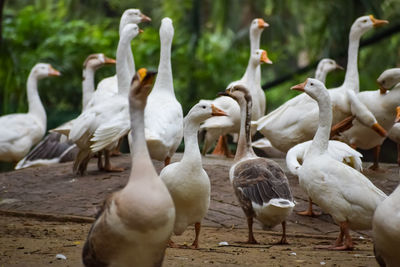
{"x":204,"y":107}
{"x":311,"y":84}
{"x":364,"y":20}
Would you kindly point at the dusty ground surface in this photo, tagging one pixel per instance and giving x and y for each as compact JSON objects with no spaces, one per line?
{"x":47,"y":211}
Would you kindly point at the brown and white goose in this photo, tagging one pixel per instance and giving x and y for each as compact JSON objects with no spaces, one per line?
{"x":260,"y":185}
{"x":135,"y":223}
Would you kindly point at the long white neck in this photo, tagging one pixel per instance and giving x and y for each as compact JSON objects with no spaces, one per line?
{"x":35,"y":105}
{"x":139,"y":152}
{"x":320,"y":142}
{"x":320,"y":75}
{"x":130,"y":61}
{"x":255,"y":45}
{"x":351,"y":79}
{"x":244,"y":148}
{"x":164,"y":76}
{"x":249,"y":76}
{"x":192,"y":151}
{"x":87,"y":86}
{"x":123,"y":75}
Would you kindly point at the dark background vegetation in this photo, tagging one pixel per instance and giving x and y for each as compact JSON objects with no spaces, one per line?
{"x":210,"y":47}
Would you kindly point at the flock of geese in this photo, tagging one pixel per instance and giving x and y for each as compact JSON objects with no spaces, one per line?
{"x":135,"y":224}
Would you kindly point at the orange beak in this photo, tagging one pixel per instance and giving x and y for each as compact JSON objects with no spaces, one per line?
{"x":108,"y":60}
{"x":264,"y":58}
{"x":378,"y":22}
{"x":145,"y":18}
{"x":300,"y":86}
{"x":397,"y":114}
{"x":54,"y":72}
{"x":217,"y":112}
{"x":140,"y":31}
{"x":382,"y":89}
{"x":262,"y":24}
{"x":379,"y":129}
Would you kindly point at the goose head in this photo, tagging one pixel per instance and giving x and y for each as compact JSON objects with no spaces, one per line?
{"x":260,"y":56}
{"x":95,"y":61}
{"x":166,"y":30}
{"x":141,"y":86}
{"x":43,"y":70}
{"x":258,"y":25}
{"x":388,"y":79}
{"x":202,"y":111}
{"x":327,"y":65}
{"x":239,"y":93}
{"x":313,"y":87}
{"x":132,"y":15}
{"x":365,"y":23}
{"x":130,"y":31}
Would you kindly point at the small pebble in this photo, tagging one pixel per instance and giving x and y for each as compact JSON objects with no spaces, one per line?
{"x":223,"y":243}
{"x":61,"y":257}
{"x":322,"y":263}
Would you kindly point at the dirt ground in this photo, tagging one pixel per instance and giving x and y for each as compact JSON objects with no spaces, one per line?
{"x":47,"y":211}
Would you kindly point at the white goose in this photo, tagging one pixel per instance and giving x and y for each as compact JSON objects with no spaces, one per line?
{"x":135,"y":223}
{"x":19,"y":132}
{"x":260,"y":185}
{"x":343,"y":192}
{"x":187,"y":182}
{"x":394,"y":134}
{"x":325,"y":66}
{"x":219,"y":127}
{"x":338,"y":150}
{"x":55,"y":148}
{"x":383,"y":105}
{"x":163,"y":113}
{"x":109,"y":86}
{"x":296,"y":121}
{"x":386,"y":230}
{"x":101,"y":115}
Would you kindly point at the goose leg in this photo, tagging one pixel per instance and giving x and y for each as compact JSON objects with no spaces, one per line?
{"x":342,"y":126}
{"x":99,"y":161}
{"x":167,"y":161}
{"x":195,"y":244}
{"x":116,"y":151}
{"x":377,"y":151}
{"x":107,"y":165}
{"x":283,"y":239}
{"x":348,"y":244}
{"x":309,"y":211}
{"x":251,"y":239}
{"x":222,"y":148}
{"x":338,"y":245}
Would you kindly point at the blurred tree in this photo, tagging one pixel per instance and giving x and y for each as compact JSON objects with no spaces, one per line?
{"x":210,"y":47}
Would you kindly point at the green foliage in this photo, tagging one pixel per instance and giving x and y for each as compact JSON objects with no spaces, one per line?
{"x":210,"y":47}
{"x":33,"y":35}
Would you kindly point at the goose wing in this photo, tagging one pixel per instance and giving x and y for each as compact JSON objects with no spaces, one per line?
{"x":261,"y":180}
